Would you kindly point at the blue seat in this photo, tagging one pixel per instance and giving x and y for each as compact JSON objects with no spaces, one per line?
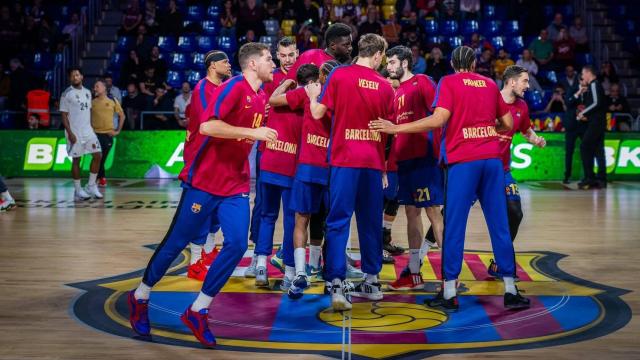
{"x":178,"y":61}
{"x":167,"y":43}
{"x":205,"y":43}
{"x":455,"y":41}
{"x":48,"y":77}
{"x":515,"y":45}
{"x":195,"y":12}
{"x":42,"y":61}
{"x":213,"y":12}
{"x":186,"y":43}
{"x":449,"y":27}
{"x":227,"y":44}
{"x":511,"y":27}
{"x":549,"y":75}
{"x":435,"y":40}
{"x":498,"y":42}
{"x":187,"y":23}
{"x":491,"y":27}
{"x":197,"y":61}
{"x":489,"y":11}
{"x":470,"y":26}
{"x":269,"y":40}
{"x":116,"y":61}
{"x":535,"y":100}
{"x":124,"y":43}
{"x":58,"y":58}
{"x":193,"y":77}
{"x":584,"y":59}
{"x":271,"y":27}
{"x":210,"y":27}
{"x":430,"y":26}
{"x":175,"y":79}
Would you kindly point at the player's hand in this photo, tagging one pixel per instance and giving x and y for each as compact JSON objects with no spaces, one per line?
{"x":313,"y":90}
{"x":382,"y":125}
{"x":539,"y":141}
{"x":72,"y":138}
{"x":265,"y":134}
{"x":385,"y":180}
{"x":290,"y":84}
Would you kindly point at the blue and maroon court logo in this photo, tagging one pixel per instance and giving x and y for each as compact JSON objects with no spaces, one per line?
{"x":565,"y":309}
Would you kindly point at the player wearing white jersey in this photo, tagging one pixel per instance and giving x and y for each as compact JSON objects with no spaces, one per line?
{"x":75,"y":106}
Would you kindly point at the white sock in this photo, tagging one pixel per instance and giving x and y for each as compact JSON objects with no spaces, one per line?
{"x":289,"y":272}
{"x":414,"y":261}
{"x":371,"y":279}
{"x":314,"y":255}
{"x":509,"y":285}
{"x":424,"y":250}
{"x":387,"y":224}
{"x":6,"y":196}
{"x":210,"y":244}
{"x":299,"y":255}
{"x":449,"y":289}
{"x":142,"y":292}
{"x":196,"y":252}
{"x":92,"y":179}
{"x":77,"y":184}
{"x":262,"y":261}
{"x":202,"y":302}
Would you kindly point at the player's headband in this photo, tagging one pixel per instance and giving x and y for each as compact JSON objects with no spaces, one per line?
{"x":215,"y":56}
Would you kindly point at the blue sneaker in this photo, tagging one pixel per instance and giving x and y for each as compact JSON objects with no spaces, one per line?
{"x":199,"y":326}
{"x":300,"y":283}
{"x":276,"y":261}
{"x":139,"y":315}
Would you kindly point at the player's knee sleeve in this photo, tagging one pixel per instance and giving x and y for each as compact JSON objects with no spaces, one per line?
{"x":317,"y":226}
{"x":391,"y":207}
{"x":514,"y":212}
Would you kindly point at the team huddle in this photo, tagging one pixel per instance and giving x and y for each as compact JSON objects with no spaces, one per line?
{"x":336,"y":137}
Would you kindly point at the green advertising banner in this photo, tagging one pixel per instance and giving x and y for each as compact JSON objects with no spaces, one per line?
{"x":152,"y":154}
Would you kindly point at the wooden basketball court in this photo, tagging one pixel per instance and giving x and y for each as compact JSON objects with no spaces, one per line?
{"x":49,"y":243}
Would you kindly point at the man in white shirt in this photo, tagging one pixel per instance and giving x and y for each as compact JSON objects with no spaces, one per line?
{"x":75,"y":106}
{"x":180,"y":104}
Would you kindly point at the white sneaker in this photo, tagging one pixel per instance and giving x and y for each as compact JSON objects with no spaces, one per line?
{"x":250,"y":272}
{"x":93,"y":191}
{"x":368,"y":291}
{"x":340,"y":297}
{"x":81,"y":195}
{"x":6,"y":205}
{"x":353,"y":272}
{"x":262,"y":279}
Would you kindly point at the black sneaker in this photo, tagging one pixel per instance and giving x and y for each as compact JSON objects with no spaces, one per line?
{"x":440,"y":303}
{"x":387,"y":258}
{"x":516,"y":302}
{"x":393,"y":249}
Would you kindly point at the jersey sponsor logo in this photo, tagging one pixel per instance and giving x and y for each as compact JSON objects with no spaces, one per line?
{"x":474,"y":83}
{"x":362,"y":135}
{"x":565,"y":310}
{"x":368,"y":84}
{"x":479,"y":132}
{"x":195,"y":208}
{"x":317,"y":140}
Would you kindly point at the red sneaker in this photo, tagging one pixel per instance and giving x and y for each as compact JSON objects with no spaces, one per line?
{"x":102,"y":182}
{"x":199,"y":326}
{"x":210,"y":257}
{"x":407,"y":281}
{"x":197,"y":271}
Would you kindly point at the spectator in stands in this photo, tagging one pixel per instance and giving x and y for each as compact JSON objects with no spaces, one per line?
{"x":607,"y":76}
{"x":371,"y":25}
{"x":250,"y":36}
{"x":556,"y":25}
{"x":484,"y":65}
{"x":449,"y":10}
{"x":228,"y":19}
{"x":37,"y":11}
{"x":542,"y":49}
{"x":616,"y":103}
{"x":329,"y":12}
{"x":478,"y":44}
{"x":527,"y":62}
{"x":570,"y":81}
{"x":289,"y":9}
{"x":162,"y":108}
{"x":131,"y":68}
{"x":250,"y":16}
{"x":113,"y":91}
{"x":144,"y":43}
{"x":556,"y":103}
{"x":273,"y":9}
{"x":46,"y":34}
{"x":33,"y":121}
{"x":149,"y":82}
{"x":5,"y":87}
{"x":72,"y":28}
{"x":171,"y":20}
{"x":391,"y":31}
{"x":351,"y":10}
{"x":579,"y":34}
{"x":180,"y":104}
{"x":405,"y":7}
{"x":419,"y":63}
{"x":307,"y":10}
{"x":500,"y":65}
{"x":411,"y":33}
{"x":469,"y":9}
{"x":19,"y":85}
{"x":131,"y":19}
{"x":564,"y":49}
{"x":150,"y":11}
{"x":157,"y":63}
{"x":364,"y":7}
{"x":132,"y":105}
{"x":437,"y":66}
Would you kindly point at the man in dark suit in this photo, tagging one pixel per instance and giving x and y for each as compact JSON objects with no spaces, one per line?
{"x":574,"y":129}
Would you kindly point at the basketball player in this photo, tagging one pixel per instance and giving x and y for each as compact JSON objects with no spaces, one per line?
{"x":337,"y":39}
{"x":470,"y":108}
{"x":287,"y":54}
{"x":309,"y":194}
{"x":203,"y":248}
{"x":216,"y":182}
{"x":516,"y":82}
{"x":355,"y":94}
{"x":75,"y":107}
{"x":419,"y":176}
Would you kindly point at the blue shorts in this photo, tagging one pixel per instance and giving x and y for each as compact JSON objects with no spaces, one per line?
{"x":391,"y":191}
{"x":511,"y":187}
{"x":421,"y":183}
{"x":307,"y":197}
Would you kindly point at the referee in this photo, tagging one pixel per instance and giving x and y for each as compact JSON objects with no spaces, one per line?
{"x":593,"y":115}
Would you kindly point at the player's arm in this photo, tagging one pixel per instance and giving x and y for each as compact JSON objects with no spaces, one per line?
{"x":220,"y":129}
{"x":65,"y":121}
{"x":318,"y":110}
{"x":437,"y":120}
{"x":504,"y":122}
{"x":279,"y":98}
